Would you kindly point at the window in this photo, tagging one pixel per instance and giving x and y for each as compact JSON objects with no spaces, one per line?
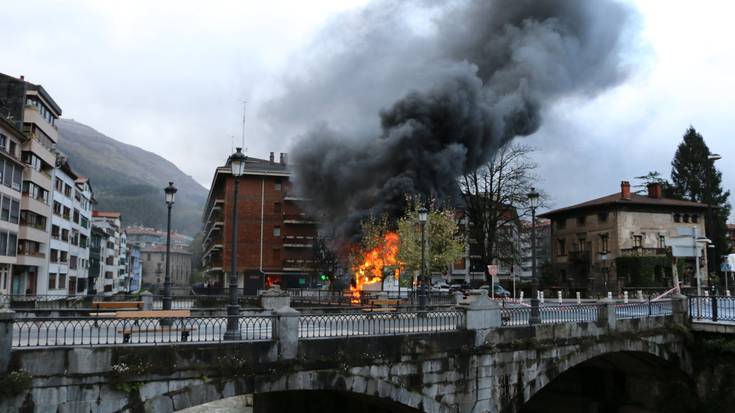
{"x":3,"y":242}
{"x":82,"y":240}
{"x":17,"y":177}
{"x":59,"y":185}
{"x":67,"y":213}
{"x":276,"y":231}
{"x":604,"y":243}
{"x":277,"y":184}
{"x":677,"y":218}
{"x":73,"y":262}
{"x":65,"y":235}
{"x":637,"y":241}
{"x":695,"y":218}
{"x":67,"y":190}
{"x":52,"y":281}
{"x":662,"y":241}
{"x":85,"y":222}
{"x":602,"y":217}
{"x":62,"y":281}
{"x":5,"y":212}
{"x":55,"y":231}
{"x":685,"y":218}
{"x":148,"y":256}
{"x":14,"y":211}
{"x":3,"y":141}
{"x":63,"y":256}
{"x":74,"y":237}
{"x":57,"y":208}
{"x":54,"y":255}
{"x":561,"y":247}
{"x":33,"y":161}
{"x":76,"y":216}
{"x":11,"y":149}
{"x":12,"y":244}
{"x":581,"y":221}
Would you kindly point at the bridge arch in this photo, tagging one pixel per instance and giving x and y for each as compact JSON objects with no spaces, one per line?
{"x":310,"y":386}
{"x":623,"y":360}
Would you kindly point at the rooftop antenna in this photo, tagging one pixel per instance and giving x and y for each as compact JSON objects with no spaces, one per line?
{"x":244,"y":108}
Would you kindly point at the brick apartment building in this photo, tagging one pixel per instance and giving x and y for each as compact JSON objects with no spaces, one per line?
{"x":274,"y":235}
{"x":603,"y":244}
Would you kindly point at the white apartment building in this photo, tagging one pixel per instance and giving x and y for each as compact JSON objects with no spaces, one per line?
{"x":10,"y":195}
{"x":70,"y":232}
{"x":30,"y":109}
{"x":113,"y":274}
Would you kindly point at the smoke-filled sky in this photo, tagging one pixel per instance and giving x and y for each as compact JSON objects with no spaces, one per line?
{"x":169,"y":76}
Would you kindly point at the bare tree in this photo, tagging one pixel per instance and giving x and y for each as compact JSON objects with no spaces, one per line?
{"x":495,"y":196}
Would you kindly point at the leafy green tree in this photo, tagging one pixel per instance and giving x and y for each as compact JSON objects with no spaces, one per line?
{"x":443,"y":243}
{"x":694,"y":177}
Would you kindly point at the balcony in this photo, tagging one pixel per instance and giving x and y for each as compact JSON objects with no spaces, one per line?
{"x":298,"y":241}
{"x":300,"y":218}
{"x":642,"y":252}
{"x":585,"y":256}
{"x":297,"y":265}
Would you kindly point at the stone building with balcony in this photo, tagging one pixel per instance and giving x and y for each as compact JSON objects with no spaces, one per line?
{"x":274,"y":236}
{"x":153,"y":260}
{"x":620,"y":241}
{"x":30,"y":109}
{"x":71,"y":224}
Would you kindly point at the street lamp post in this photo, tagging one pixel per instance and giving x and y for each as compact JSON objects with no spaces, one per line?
{"x":423,"y":216}
{"x":237,"y":167}
{"x":533,"y":200}
{"x":170,"y":192}
{"x":711,"y":263}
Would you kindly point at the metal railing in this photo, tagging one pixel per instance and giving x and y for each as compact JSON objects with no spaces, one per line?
{"x":379,"y":323}
{"x":516,"y":316}
{"x":643,"y":309}
{"x":712,"y":308}
{"x":89,"y":331}
{"x":568,"y":313}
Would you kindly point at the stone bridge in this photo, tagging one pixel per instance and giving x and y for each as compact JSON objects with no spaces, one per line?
{"x":481,"y":367}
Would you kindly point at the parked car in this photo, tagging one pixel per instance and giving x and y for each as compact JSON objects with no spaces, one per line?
{"x":440,"y":287}
{"x":460,"y":286}
{"x":499,"y":290}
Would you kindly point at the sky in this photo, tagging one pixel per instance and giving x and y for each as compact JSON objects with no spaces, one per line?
{"x":171,"y":78}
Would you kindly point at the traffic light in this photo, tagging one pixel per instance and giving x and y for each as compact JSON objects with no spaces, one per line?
{"x":324,"y":277}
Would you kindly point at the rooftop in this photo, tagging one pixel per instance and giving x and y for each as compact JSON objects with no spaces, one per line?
{"x":632,"y":200}
{"x":106,"y":214}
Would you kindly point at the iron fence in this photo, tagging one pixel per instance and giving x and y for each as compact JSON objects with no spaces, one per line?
{"x":515,"y":316}
{"x":88,"y":331}
{"x":643,"y":309}
{"x":568,"y":313}
{"x":712,"y":308}
{"x":379,"y":323}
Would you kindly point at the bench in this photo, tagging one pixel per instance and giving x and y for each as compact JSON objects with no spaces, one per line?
{"x":117,"y":305}
{"x":129,"y":331}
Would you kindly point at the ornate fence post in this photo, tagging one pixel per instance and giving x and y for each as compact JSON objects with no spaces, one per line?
{"x":6,"y":338}
{"x":286,"y":332}
{"x":481,"y":314}
{"x":147,"y":299}
{"x":606,"y":314}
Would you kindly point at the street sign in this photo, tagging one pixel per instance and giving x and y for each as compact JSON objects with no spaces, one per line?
{"x":685,"y":252}
{"x":686,"y":231}
{"x":492,"y":270}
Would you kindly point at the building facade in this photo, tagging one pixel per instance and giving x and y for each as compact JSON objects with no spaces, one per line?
{"x":153,"y":260}
{"x":30,"y":109}
{"x":72,"y":201}
{"x":11,"y":140}
{"x":620,"y":241}
{"x":274,"y":236}
{"x":145,"y":237}
{"x":113,"y":268}
{"x":543,"y":257}
{"x":135,"y":268}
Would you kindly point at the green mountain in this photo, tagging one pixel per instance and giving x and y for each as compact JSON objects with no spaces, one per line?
{"x":130,"y":180}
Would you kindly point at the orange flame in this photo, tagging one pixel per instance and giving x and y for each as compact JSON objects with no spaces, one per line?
{"x":370,"y":271}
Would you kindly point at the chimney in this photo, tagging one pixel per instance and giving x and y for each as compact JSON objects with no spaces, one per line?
{"x":271,"y":158}
{"x":284,"y":158}
{"x":625,"y":190}
{"x":655,"y":190}
{"x":22,"y":77}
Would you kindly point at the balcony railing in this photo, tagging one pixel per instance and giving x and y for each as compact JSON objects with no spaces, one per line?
{"x":642,"y":252}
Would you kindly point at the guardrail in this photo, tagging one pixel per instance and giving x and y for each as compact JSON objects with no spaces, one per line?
{"x":712,"y":308}
{"x":90,"y":331}
{"x":379,"y":323}
{"x":645,"y":309}
{"x":568,"y":313}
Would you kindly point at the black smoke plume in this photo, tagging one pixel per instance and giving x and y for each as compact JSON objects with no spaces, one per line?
{"x":492,"y":68}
